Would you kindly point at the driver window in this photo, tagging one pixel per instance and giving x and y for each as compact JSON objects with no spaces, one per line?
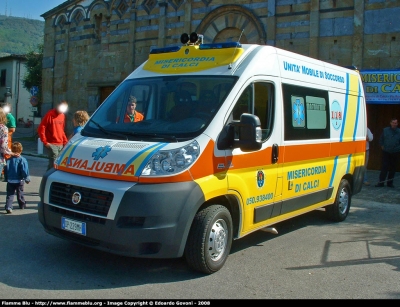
{"x":257,"y":99}
{"x":263,"y":106}
{"x":244,"y":104}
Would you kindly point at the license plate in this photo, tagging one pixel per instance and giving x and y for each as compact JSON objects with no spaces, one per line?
{"x":73,"y":226}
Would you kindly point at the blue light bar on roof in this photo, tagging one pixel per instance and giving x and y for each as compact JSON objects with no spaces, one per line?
{"x":221,"y":45}
{"x":165,"y":49}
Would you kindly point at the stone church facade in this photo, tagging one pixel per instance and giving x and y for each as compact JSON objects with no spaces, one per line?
{"x":90,"y":46}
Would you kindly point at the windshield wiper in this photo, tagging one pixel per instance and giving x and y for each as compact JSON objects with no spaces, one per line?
{"x":120,"y":135}
{"x":153,"y":135}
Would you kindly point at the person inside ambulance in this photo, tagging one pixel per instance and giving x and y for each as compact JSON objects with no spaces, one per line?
{"x":131,"y":114}
{"x":183,"y":107}
{"x":208,"y":102}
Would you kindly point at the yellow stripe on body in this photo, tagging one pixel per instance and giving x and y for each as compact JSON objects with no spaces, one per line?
{"x":350,"y":120}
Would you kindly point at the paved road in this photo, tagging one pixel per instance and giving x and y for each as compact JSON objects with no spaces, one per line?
{"x":310,"y":258}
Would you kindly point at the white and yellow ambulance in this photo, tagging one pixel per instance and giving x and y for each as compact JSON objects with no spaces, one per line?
{"x":235,"y":138}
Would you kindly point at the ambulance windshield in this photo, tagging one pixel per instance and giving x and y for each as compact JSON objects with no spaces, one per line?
{"x":171,"y":108}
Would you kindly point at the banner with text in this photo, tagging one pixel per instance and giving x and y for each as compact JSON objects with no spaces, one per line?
{"x":381,"y":86}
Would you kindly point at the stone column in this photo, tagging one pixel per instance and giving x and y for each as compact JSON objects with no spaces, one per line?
{"x":64,"y":94}
{"x":162,"y":23}
{"x":188,"y":17}
{"x":271,"y":23}
{"x":48,"y":66}
{"x":314,"y":29}
{"x":132,"y":36}
{"x":357,"y":59}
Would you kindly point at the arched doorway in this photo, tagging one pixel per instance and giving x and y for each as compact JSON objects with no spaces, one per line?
{"x":231,"y":35}
{"x":232,"y":23}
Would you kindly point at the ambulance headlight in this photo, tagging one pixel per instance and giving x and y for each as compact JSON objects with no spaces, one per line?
{"x":180,"y":160}
{"x":156,"y":164}
{"x":169,"y":162}
{"x":166,"y":165}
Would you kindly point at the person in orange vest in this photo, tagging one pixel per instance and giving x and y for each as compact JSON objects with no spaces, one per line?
{"x":131,"y":114}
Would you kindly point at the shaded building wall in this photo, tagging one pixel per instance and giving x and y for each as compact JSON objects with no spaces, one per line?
{"x":18,"y":97}
{"x":91,"y":46}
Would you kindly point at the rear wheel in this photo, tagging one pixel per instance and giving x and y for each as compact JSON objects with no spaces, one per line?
{"x":210,"y":239}
{"x":339,"y":210}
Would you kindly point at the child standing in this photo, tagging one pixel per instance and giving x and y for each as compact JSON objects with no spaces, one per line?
{"x":16,"y":172}
{"x":79,"y":120}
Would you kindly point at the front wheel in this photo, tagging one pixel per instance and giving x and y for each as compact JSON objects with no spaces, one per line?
{"x":339,"y":210}
{"x":210,"y":239}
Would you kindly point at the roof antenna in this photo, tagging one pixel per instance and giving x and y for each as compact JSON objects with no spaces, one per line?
{"x":240,"y":36}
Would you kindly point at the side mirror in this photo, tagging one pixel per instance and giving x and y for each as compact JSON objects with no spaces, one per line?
{"x":249,"y":133}
{"x":245,"y":134}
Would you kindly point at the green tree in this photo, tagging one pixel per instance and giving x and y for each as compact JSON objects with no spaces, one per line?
{"x":33,"y":76}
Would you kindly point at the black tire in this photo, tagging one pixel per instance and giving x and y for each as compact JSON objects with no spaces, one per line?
{"x":210,"y":239}
{"x":339,"y":210}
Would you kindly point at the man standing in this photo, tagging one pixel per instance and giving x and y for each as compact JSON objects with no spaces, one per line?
{"x":51,"y":131}
{"x":390,"y":143}
{"x":370,"y":137}
{"x":11,"y":123}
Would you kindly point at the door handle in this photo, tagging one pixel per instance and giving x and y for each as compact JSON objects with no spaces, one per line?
{"x":275,"y":153}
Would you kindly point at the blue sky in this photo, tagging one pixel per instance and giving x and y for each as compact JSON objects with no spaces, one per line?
{"x":31,"y":9}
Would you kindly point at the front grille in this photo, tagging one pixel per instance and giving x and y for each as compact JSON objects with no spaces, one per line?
{"x":92,"y":201}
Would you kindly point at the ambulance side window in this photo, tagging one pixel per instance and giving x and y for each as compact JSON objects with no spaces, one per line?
{"x":262,"y":105}
{"x":244,"y":104}
{"x":306,"y":113}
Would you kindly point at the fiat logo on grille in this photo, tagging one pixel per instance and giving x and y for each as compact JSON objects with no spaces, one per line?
{"x":76,"y":198}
